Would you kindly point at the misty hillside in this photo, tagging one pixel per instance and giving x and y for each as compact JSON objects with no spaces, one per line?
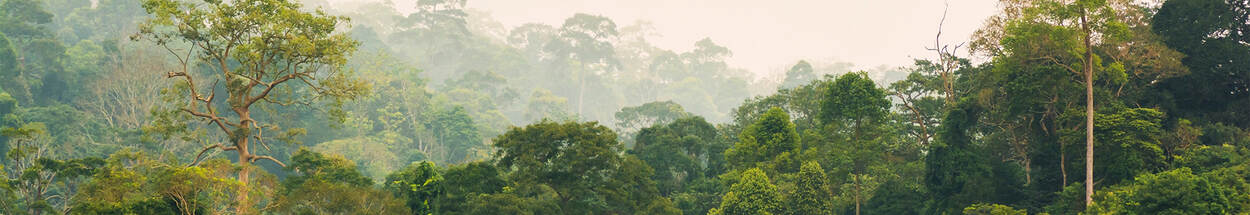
{"x":435,"y":107}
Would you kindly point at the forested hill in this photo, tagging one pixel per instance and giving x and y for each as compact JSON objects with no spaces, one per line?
{"x":284,"y":107}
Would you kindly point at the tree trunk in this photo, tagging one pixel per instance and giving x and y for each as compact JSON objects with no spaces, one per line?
{"x":1063,"y":170}
{"x":858,"y":193}
{"x":581,"y":90}
{"x":242,"y":204}
{"x":1028,"y":171}
{"x":1089,"y":113}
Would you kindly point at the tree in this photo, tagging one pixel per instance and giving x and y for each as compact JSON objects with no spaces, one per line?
{"x":419,"y":184}
{"x":630,"y":119}
{"x":799,"y":74}
{"x":585,"y":40}
{"x":133,"y":182}
{"x":443,"y":15}
{"x":770,"y":143}
{"x":40,"y":182}
{"x":575,"y":159}
{"x":1213,"y":35}
{"x":918,"y":97}
{"x":545,"y":105}
{"x":753,"y":194}
{"x":253,"y":50}
{"x":1086,"y":21}
{"x":455,"y":129}
{"x":331,"y":184}
{"x":854,"y":101}
{"x":811,"y":195}
{"x":896,"y":197}
{"x":992,"y":209}
{"x":956,"y":172}
{"x":1177,"y":191}
{"x":676,"y":150}
{"x":35,"y":52}
{"x":461,"y":183}
{"x":24,"y":19}
{"x":8,"y":59}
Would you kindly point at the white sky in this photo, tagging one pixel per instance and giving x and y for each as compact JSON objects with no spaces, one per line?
{"x":769,"y":35}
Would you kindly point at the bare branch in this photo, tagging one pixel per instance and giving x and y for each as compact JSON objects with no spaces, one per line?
{"x":263,"y":157}
{"x":210,"y":147}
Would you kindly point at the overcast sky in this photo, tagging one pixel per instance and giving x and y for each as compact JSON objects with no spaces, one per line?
{"x":767,"y":36}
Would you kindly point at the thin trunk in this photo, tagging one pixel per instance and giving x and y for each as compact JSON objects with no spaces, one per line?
{"x":1063,"y":170}
{"x":1089,"y":114}
{"x":1028,"y":171}
{"x":858,"y":192}
{"x":581,"y":90}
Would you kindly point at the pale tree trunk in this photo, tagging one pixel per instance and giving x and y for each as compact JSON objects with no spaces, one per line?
{"x":1089,"y":113}
{"x":581,"y":90}
{"x":1063,"y":170}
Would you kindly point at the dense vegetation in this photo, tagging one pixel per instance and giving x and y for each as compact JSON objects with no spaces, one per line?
{"x":281,"y":107}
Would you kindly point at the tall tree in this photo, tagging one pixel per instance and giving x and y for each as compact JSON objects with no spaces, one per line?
{"x":256,"y":52}
{"x":586,"y":41}
{"x":1091,"y":21}
{"x":799,"y":74}
{"x":854,"y":101}
{"x":578,"y":160}
{"x":630,"y":119}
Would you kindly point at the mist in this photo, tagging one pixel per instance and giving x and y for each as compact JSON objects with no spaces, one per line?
{"x":624,"y":107}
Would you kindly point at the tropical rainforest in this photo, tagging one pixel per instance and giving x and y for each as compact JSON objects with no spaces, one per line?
{"x":295,"y":107}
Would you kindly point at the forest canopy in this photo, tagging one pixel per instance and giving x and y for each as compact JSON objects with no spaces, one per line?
{"x":299,"y":107}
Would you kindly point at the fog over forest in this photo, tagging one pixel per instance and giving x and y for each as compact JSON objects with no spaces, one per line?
{"x":624,"y":107}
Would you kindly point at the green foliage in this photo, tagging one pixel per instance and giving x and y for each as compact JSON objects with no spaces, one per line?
{"x":23,"y":18}
{"x":1212,"y":34}
{"x":770,"y":143}
{"x":1177,"y":191}
{"x":455,"y":129}
{"x":956,"y":171}
{"x":462,"y":183}
{"x":661,"y":206}
{"x":753,"y":194}
{"x":811,"y":195}
{"x":524,"y":200}
{"x":1127,"y":142}
{"x":331,"y":184}
{"x":418,"y":185}
{"x":8,"y":60}
{"x":894,"y":197}
{"x":992,"y":209}
{"x":578,"y":160}
{"x":313,"y":166}
{"x":269,"y":52}
{"x":375,"y":155}
{"x":134,"y":183}
{"x":799,"y":74}
{"x":630,"y":119}
{"x":544,"y":105}
{"x":1169,"y":81}
{"x":853,"y":98}
{"x":675,"y":150}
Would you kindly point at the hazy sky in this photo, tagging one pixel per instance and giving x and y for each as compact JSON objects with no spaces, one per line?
{"x":767,"y":36}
